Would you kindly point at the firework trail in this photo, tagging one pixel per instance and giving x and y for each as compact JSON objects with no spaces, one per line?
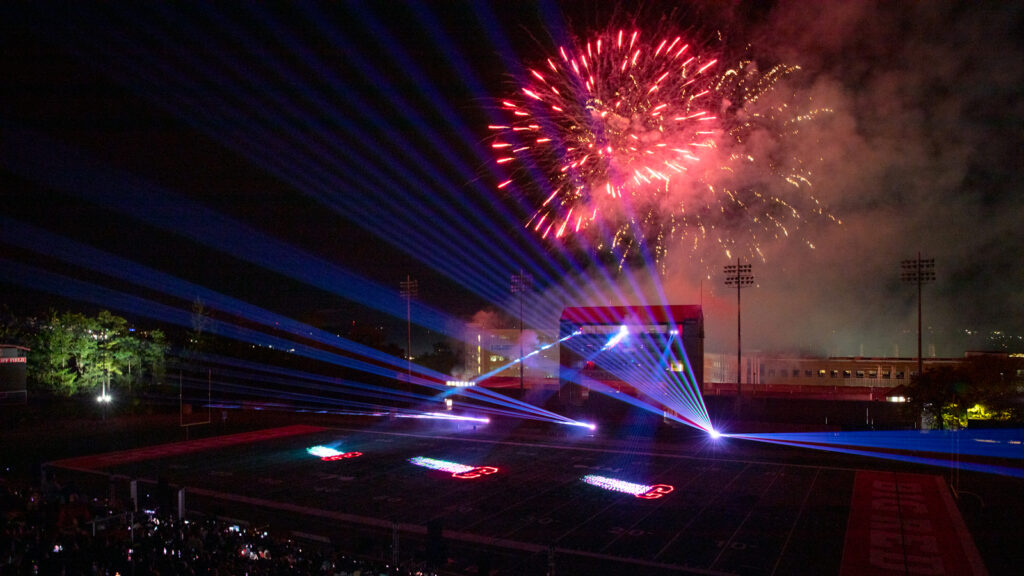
{"x":643,"y":144}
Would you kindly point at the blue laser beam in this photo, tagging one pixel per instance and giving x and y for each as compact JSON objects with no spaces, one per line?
{"x":41,"y":279}
{"x":990,"y":451}
{"x":260,"y":111}
{"x":31,"y":238}
{"x":615,"y":339}
{"x":645,"y":364}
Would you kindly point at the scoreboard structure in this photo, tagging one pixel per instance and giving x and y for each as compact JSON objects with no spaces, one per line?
{"x":13,"y":366}
{"x":627,"y":349}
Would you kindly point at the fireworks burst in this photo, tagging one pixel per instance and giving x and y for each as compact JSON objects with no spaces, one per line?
{"x":642,"y":144}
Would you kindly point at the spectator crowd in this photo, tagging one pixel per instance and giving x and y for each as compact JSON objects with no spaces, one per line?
{"x":56,"y":530}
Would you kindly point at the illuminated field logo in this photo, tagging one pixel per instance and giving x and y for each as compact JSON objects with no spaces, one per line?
{"x":463,"y":471}
{"x":343,"y":456}
{"x":328,"y":454}
{"x":638,"y":490}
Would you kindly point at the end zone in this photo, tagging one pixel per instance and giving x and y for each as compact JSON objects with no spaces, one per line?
{"x":906,"y":524}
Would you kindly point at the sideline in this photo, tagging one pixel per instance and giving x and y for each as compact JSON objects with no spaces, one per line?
{"x":97,"y":461}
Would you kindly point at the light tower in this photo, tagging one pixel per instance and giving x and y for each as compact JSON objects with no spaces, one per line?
{"x":740,"y":276}
{"x":918,"y":272}
{"x":410,"y":288}
{"x":521,"y":282}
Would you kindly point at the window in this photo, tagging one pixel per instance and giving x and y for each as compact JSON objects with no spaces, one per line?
{"x":808,"y":373}
{"x":821,"y":373}
{"x":771,"y":371}
{"x":835,"y":374}
{"x":796,"y":373}
{"x":886,"y":374}
{"x":899,"y":375}
{"x":860,"y":373}
{"x":846,"y":373}
{"x":873,"y":374}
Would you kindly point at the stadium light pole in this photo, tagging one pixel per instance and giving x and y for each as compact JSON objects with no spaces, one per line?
{"x":410,"y":288}
{"x":918,"y":272}
{"x":740,"y":276}
{"x":521,"y":282}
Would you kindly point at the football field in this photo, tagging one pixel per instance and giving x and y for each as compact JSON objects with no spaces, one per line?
{"x":568,"y":505}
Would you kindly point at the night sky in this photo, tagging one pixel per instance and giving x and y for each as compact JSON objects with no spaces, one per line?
{"x":308,"y":157}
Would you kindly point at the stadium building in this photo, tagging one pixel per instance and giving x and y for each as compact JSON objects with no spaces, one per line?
{"x":613,"y":349}
{"x":491,"y":353}
{"x":629,"y":350}
{"x":832,"y":378}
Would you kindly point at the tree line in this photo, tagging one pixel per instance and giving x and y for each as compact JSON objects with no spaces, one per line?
{"x":72,"y":353}
{"x":982,"y":387}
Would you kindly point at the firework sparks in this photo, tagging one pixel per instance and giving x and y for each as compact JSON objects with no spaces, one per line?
{"x":646,"y":143}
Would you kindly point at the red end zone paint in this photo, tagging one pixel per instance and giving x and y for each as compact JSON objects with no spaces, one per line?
{"x":163,"y":450}
{"x":476,"y":472}
{"x":656,"y":491}
{"x":344,"y":456}
{"x":906,"y":524}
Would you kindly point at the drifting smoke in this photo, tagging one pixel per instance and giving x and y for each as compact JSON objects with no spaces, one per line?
{"x":487,"y":319}
{"x":650,"y":142}
{"x":492,"y":320}
{"x":917,"y":155}
{"x":919,"y":152}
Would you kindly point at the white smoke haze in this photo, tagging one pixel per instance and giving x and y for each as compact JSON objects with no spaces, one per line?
{"x":528,"y":339}
{"x":487,"y":319}
{"x":907,"y":161}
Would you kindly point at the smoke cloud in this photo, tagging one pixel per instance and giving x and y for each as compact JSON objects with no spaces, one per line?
{"x":921,"y":152}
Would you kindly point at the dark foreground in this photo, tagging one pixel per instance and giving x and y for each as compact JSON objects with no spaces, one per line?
{"x":734,"y":508}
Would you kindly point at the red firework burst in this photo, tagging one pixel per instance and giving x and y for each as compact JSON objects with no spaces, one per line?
{"x":611,"y":123}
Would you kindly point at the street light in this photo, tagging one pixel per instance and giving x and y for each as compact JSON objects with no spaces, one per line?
{"x":104,"y":398}
{"x":521,"y":282}
{"x":740,"y":276}
{"x":918,"y":272}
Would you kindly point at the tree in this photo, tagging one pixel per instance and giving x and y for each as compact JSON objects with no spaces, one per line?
{"x":152,"y":354}
{"x":200,"y":322}
{"x":986,"y":385}
{"x":72,"y":353}
{"x":11,"y":329}
{"x":939,"y":393}
{"x":61,"y":354}
{"x":997,"y":387}
{"x":114,"y":353}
